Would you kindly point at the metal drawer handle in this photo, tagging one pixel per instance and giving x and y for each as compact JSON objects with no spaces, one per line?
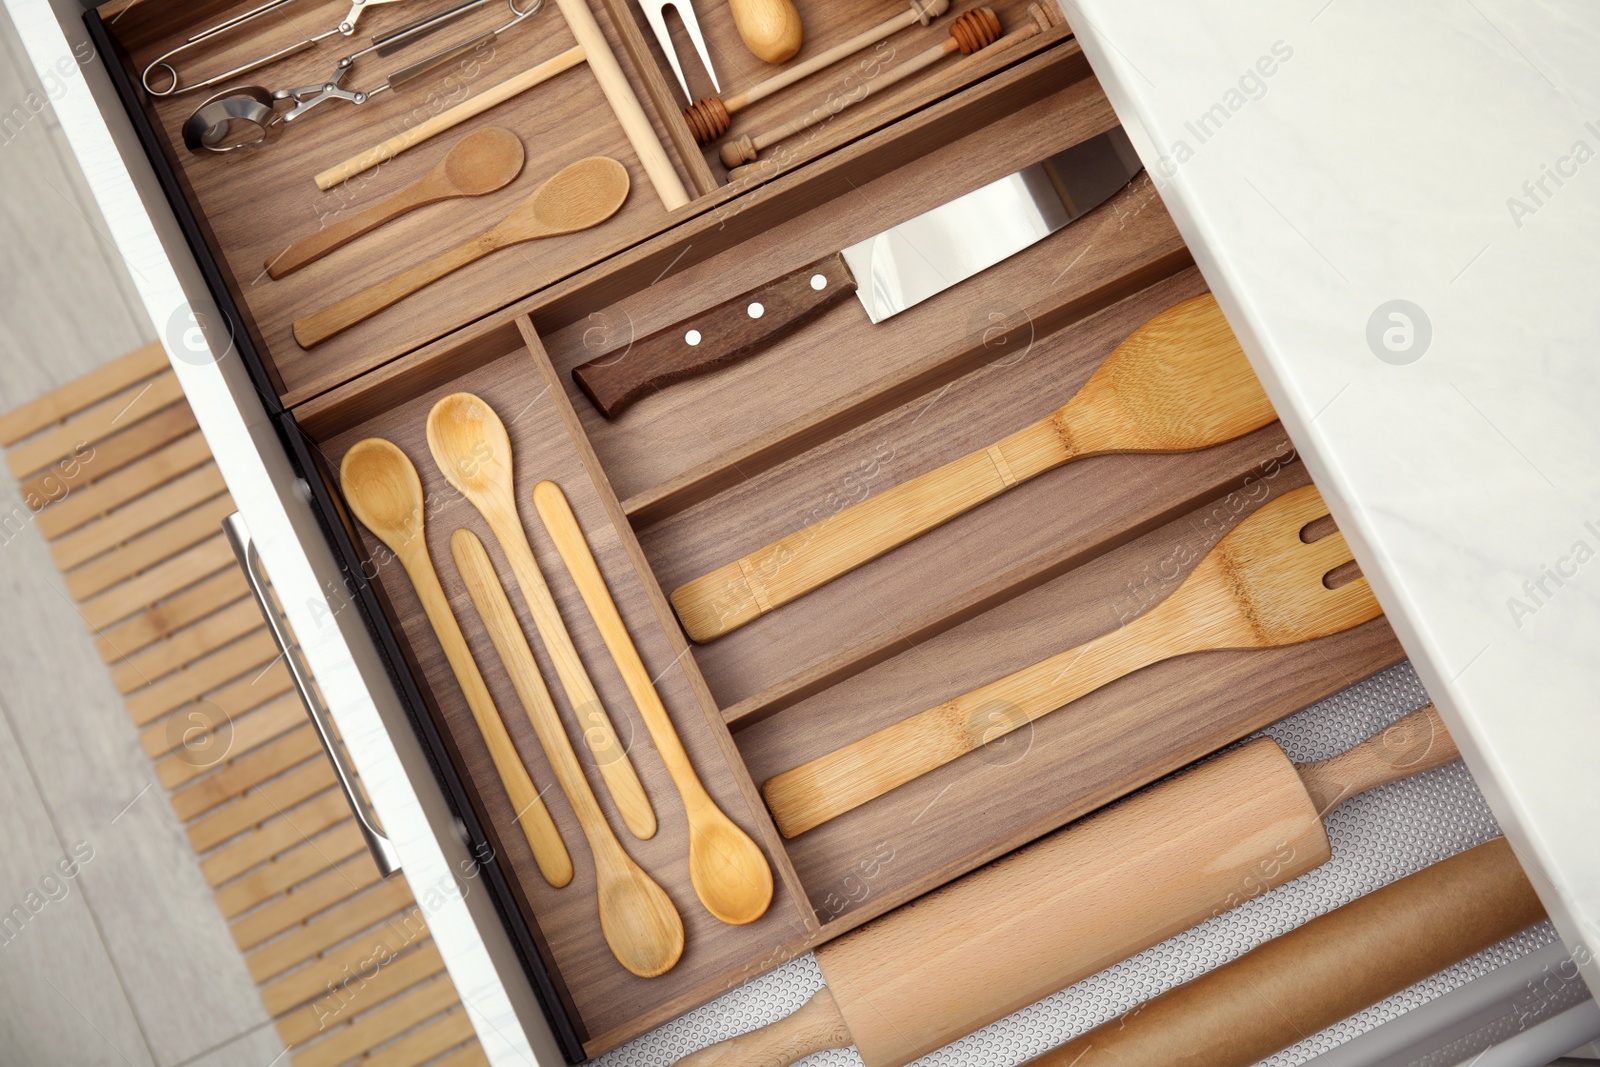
{"x":383,"y":851}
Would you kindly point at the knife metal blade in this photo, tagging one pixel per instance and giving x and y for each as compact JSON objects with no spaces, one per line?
{"x":924,"y":256}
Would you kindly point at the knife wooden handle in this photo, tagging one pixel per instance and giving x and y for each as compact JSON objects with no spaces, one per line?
{"x":716,"y":337}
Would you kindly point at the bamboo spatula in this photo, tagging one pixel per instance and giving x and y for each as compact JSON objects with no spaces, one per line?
{"x":1262,"y":586}
{"x":1180,"y":382}
{"x":576,"y":197}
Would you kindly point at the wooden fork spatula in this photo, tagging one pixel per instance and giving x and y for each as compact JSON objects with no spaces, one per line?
{"x":576,"y":197}
{"x":1260,"y":587}
{"x":1180,"y":382}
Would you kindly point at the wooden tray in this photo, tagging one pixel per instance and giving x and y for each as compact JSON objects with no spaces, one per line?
{"x":249,"y":204}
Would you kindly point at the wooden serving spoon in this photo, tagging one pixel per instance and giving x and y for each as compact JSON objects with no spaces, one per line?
{"x":640,"y":924}
{"x":1180,"y":382}
{"x":481,"y":162}
{"x":383,"y":490}
{"x":1260,"y":587}
{"x":470,"y":445}
{"x":730,"y":875}
{"x":576,"y":197}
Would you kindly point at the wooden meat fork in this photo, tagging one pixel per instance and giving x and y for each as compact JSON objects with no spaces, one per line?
{"x":1262,"y":586}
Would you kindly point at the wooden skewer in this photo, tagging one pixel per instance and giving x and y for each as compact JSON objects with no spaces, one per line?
{"x":971,"y":31}
{"x":455,"y":116}
{"x":1179,"y":382}
{"x":640,"y":924}
{"x":1260,"y":587}
{"x":470,"y":445}
{"x":385,"y":493}
{"x":730,"y":875}
{"x":710,"y":116}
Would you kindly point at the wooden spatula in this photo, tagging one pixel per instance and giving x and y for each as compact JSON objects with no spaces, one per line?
{"x":385,"y":493}
{"x":1262,"y":586}
{"x":576,"y":197}
{"x":480,"y":163}
{"x":637,"y":918}
{"x":1179,"y":383}
{"x":472,"y":449}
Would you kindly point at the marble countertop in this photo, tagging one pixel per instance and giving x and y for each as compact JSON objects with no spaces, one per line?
{"x":1398,"y":206}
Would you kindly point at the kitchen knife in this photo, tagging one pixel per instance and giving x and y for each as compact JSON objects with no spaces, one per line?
{"x":889,"y":272}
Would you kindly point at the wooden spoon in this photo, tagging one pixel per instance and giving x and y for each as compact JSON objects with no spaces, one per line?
{"x":1260,"y":587}
{"x":640,"y":924}
{"x":730,"y":875}
{"x":1180,"y":382}
{"x":479,"y":163}
{"x":470,"y":445}
{"x":578,"y":196}
{"x":385,"y":493}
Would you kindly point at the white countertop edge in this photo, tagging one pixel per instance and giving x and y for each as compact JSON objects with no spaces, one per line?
{"x":1557,"y":851}
{"x":335,"y":643}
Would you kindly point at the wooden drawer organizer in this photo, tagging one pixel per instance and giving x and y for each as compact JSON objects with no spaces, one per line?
{"x":712,"y":468}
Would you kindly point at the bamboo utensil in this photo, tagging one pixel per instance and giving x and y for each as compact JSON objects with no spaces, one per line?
{"x":730,"y":875}
{"x":383,"y":490}
{"x":578,"y":196}
{"x":449,"y":118}
{"x":771,"y":29}
{"x":971,"y":31}
{"x":1304,"y":981}
{"x":470,"y":445}
{"x":1073,"y":903}
{"x":1262,"y":586}
{"x":710,"y":116}
{"x":640,"y":924}
{"x":1179,"y":383}
{"x":479,"y":163}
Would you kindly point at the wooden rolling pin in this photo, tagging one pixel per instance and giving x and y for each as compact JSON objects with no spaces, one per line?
{"x":1327,"y":970}
{"x":1097,"y":891}
{"x":710,"y":116}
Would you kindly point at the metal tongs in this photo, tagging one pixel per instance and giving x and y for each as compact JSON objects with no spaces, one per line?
{"x":253,"y":111}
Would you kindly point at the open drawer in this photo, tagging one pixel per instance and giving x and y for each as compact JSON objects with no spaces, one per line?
{"x":709,"y":469}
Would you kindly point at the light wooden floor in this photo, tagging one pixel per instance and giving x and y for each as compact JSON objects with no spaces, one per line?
{"x":127,"y":962}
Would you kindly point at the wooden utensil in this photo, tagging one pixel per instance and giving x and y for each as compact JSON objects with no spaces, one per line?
{"x":383,"y":490}
{"x":771,"y":29}
{"x":470,"y":445}
{"x":971,"y":31}
{"x":640,"y":924}
{"x":1260,"y":587}
{"x":1315,"y":975}
{"x":481,"y":162}
{"x":1073,"y":903}
{"x":1179,"y":383}
{"x":710,"y":116}
{"x":730,"y":875}
{"x":577,"y":197}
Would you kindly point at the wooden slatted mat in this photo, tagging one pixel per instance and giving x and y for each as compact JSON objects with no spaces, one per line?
{"x":118,"y":480}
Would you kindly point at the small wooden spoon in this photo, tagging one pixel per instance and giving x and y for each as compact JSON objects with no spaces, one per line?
{"x":1178,"y":383}
{"x":479,"y":163}
{"x":578,"y":196}
{"x":385,"y":493}
{"x":470,"y":445}
{"x":730,"y":875}
{"x":640,"y":924}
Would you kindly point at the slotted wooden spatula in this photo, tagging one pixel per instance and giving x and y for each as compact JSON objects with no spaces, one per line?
{"x":1180,"y":382}
{"x":1261,"y":586}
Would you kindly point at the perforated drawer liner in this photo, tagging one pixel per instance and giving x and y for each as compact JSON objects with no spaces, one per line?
{"x":1377,"y":837}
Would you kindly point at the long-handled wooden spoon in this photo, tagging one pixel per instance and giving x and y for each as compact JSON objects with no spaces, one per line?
{"x":1178,"y":383}
{"x":730,"y":875}
{"x":481,"y":162}
{"x":385,"y":493}
{"x":576,"y":197}
{"x":470,"y":445}
{"x":640,"y":924}
{"x":1261,"y":586}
